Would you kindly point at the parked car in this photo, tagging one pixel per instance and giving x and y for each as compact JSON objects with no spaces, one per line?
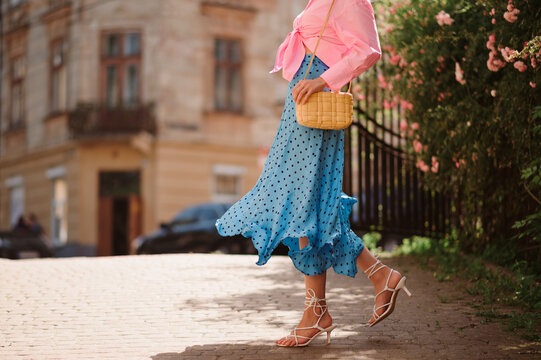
{"x":193,"y":230}
{"x":14,"y":245}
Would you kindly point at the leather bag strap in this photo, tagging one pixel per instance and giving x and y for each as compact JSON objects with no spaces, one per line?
{"x":317,"y":44}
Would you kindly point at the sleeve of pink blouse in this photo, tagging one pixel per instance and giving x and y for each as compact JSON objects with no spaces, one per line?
{"x":356,"y":27}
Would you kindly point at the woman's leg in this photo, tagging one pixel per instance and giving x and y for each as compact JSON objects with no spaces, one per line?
{"x":309,"y":318}
{"x":378,"y":279}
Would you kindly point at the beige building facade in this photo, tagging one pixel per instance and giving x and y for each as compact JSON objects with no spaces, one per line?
{"x":117,"y":114}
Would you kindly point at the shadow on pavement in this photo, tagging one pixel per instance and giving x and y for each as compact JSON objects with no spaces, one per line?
{"x":317,"y":350}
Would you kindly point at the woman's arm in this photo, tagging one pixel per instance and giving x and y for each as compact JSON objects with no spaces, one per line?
{"x":356,"y":28}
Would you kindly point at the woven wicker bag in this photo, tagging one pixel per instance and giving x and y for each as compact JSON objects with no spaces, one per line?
{"x":325,"y":109}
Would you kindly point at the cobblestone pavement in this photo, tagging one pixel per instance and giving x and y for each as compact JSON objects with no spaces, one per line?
{"x":211,"y":306}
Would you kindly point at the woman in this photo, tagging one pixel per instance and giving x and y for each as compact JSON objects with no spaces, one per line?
{"x":298,"y":199}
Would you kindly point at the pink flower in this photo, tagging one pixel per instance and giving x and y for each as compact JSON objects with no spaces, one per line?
{"x":459,"y":74}
{"x":422,"y":51}
{"x":443,"y":18}
{"x":511,"y":15}
{"x":491,"y":41}
{"x":460,"y":162}
{"x":382,"y":83}
{"x":435,"y":165}
{"x":406,"y":105}
{"x":532,"y":84}
{"x":520,"y":66}
{"x":417,"y":146}
{"x":534,"y":64}
{"x":492,"y":12}
{"x":397,"y":76}
{"x":415,"y":126}
{"x":493,"y":93}
{"x":493,"y":21}
{"x":393,"y":10}
{"x":506,"y":54}
{"x":386,"y":104}
{"x":404,"y":125}
{"x":421,"y":165}
{"x":395,"y":59}
{"x":493,"y":63}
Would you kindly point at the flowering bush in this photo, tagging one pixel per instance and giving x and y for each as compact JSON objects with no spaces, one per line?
{"x":467,"y":72}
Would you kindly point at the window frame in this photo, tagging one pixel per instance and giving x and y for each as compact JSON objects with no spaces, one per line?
{"x":228,"y":65}
{"x":227,"y":170}
{"x":15,"y":183}
{"x":121,"y":62}
{"x":54,"y":69}
{"x":17,"y":81}
{"x":62,"y":239}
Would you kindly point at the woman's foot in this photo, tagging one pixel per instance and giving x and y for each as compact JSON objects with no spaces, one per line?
{"x":379,"y":280}
{"x":317,"y":310}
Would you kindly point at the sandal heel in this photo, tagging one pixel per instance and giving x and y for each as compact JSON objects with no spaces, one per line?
{"x":402,"y":285}
{"x":329,"y":334}
{"x":407,"y":291}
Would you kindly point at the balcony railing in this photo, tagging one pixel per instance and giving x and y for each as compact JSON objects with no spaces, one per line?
{"x":91,"y":120}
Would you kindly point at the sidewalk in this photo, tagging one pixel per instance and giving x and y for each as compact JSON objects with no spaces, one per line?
{"x":207,"y":306}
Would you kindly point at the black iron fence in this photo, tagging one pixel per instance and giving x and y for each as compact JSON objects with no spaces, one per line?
{"x":381,"y":175}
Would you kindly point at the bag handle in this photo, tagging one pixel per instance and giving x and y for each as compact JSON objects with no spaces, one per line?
{"x":317,"y":44}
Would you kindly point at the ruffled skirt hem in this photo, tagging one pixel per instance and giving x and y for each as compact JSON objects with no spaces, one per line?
{"x":339,"y":251}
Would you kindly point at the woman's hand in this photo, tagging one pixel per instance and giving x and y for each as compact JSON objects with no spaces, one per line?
{"x":305,"y":88}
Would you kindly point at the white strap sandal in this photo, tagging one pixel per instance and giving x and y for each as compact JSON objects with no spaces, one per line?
{"x":371,"y":270}
{"x":312,"y":301}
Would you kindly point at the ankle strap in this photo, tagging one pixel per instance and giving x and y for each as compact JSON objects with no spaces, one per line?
{"x":371,"y":270}
{"x":312,"y":300}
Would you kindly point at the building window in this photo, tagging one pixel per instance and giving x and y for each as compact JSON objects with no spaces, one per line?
{"x":58,"y":89}
{"x":59,"y":196}
{"x":227,"y":183}
{"x":17,"y":92}
{"x":228,"y":90}
{"x":59,"y":220}
{"x":121,"y":69}
{"x":16,"y":198}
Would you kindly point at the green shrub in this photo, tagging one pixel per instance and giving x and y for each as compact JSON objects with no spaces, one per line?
{"x":470,"y":109}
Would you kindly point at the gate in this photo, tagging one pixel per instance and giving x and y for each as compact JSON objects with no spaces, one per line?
{"x":377,"y":171}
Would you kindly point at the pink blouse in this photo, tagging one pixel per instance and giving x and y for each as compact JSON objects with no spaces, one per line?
{"x":349,"y":45}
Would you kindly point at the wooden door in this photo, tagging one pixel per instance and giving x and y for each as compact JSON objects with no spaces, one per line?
{"x":105,"y":226}
{"x":135,"y":217}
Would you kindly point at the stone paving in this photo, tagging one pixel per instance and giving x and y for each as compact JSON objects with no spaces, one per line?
{"x":212,"y":306}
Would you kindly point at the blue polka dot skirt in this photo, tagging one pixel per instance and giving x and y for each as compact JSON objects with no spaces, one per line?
{"x":299,"y":193}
